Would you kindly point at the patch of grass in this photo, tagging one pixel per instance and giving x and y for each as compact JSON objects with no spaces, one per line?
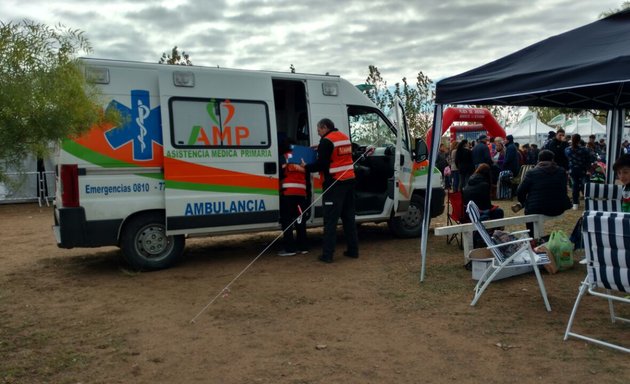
{"x":25,"y":356}
{"x":37,"y":349}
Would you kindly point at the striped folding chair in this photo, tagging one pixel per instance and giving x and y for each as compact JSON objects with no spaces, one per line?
{"x":524,"y":256}
{"x":603,"y":197}
{"x":607,"y":246}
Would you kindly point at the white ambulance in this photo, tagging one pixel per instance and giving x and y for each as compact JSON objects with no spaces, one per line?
{"x":196,"y":153}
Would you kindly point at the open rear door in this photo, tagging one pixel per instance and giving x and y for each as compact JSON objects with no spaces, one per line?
{"x":403,"y":161}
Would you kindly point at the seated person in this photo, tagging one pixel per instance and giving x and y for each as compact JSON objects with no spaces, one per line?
{"x":478,"y":190}
{"x":543,"y":189}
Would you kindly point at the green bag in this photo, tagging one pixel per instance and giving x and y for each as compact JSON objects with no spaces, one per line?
{"x":562,"y":249}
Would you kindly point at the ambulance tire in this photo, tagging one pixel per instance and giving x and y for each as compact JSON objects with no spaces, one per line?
{"x":410,"y":224}
{"x":146,"y":247}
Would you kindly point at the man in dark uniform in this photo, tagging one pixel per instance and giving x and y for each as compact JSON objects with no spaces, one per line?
{"x":334,"y":162}
{"x":557,"y":145}
{"x":481,"y":152}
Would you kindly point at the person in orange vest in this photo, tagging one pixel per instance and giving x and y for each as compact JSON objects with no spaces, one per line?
{"x":334,"y":162}
{"x":293,"y":203}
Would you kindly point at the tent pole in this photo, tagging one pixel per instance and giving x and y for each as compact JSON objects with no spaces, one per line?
{"x":535,"y":126}
{"x":614,"y":132}
{"x":435,"y":145}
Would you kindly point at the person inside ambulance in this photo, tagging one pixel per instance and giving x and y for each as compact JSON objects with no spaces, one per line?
{"x":293,"y":202}
{"x":334,"y":162}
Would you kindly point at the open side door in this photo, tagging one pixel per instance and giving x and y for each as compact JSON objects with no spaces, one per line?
{"x":403,"y":162}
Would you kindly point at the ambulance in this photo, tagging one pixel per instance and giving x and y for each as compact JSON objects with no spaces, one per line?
{"x":196,"y":153}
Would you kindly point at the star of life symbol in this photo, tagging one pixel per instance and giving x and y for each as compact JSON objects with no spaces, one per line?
{"x":143,"y":113}
{"x":140,"y":125}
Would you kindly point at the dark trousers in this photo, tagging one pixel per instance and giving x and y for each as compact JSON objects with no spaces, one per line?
{"x":455,"y":177}
{"x":577,"y":185}
{"x":289,"y":212}
{"x":338,"y":202}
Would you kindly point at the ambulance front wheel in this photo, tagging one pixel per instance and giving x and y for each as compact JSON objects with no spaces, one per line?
{"x":146,"y":246}
{"x":410,"y":223}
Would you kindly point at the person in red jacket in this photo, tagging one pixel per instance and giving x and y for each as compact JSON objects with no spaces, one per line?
{"x":334,"y":162}
{"x":293,"y":203}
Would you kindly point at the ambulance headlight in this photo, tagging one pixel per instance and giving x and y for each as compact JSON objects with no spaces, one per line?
{"x":184,"y":79}
{"x":97,"y":75}
{"x":330,"y":89}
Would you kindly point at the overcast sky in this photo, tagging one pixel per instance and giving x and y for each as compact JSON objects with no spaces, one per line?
{"x":440,"y":38}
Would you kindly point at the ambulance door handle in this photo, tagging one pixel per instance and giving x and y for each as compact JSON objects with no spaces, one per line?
{"x":270,"y":168}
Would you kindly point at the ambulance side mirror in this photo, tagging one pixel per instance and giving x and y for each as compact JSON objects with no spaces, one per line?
{"x":421,"y":152}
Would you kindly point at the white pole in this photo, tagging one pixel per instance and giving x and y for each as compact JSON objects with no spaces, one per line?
{"x":577,"y":124}
{"x":433,"y":150}
{"x":535,"y":126}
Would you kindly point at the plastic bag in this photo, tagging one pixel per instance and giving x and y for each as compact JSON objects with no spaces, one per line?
{"x":562,"y":249}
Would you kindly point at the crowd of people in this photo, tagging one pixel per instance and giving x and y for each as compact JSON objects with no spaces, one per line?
{"x":562,"y":162}
{"x":472,"y":168}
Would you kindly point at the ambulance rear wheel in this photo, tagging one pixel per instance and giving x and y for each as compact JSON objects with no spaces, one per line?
{"x":145,"y":245}
{"x":410,"y":223}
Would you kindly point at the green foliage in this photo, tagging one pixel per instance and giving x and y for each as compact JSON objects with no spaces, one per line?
{"x":377,"y":89}
{"x":625,"y":5}
{"x":546,"y":114}
{"x":418,"y":100}
{"x":505,"y":115}
{"x":43,"y":93}
{"x":175,"y":58}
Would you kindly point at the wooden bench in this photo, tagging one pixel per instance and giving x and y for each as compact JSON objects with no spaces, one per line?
{"x":467,"y":229}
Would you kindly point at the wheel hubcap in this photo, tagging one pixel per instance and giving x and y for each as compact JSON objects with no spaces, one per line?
{"x":152,"y":241}
{"x":412,"y":218}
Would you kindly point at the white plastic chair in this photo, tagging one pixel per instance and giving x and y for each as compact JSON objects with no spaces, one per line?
{"x":524,"y":256}
{"x":607,"y":247}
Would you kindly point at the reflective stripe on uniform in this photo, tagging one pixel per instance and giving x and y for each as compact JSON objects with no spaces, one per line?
{"x":341,"y":168}
{"x":341,"y":142}
{"x":293,"y":185}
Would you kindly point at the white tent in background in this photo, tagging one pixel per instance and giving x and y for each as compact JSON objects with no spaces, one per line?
{"x":31,"y":181}
{"x":529,"y":130}
{"x":585,"y":125}
{"x":559,"y":120}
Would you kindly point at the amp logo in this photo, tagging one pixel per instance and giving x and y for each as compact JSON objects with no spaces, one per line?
{"x":140,"y":125}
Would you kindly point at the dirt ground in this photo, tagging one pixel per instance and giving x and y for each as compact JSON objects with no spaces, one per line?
{"x":79,"y":316}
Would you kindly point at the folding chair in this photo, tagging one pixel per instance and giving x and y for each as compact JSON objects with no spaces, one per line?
{"x":455,"y":215}
{"x":607,"y":247}
{"x":603,"y":197}
{"x":504,"y":185}
{"x":524,"y":256}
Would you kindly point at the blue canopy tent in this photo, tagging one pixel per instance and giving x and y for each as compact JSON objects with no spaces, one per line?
{"x":587,"y":67}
